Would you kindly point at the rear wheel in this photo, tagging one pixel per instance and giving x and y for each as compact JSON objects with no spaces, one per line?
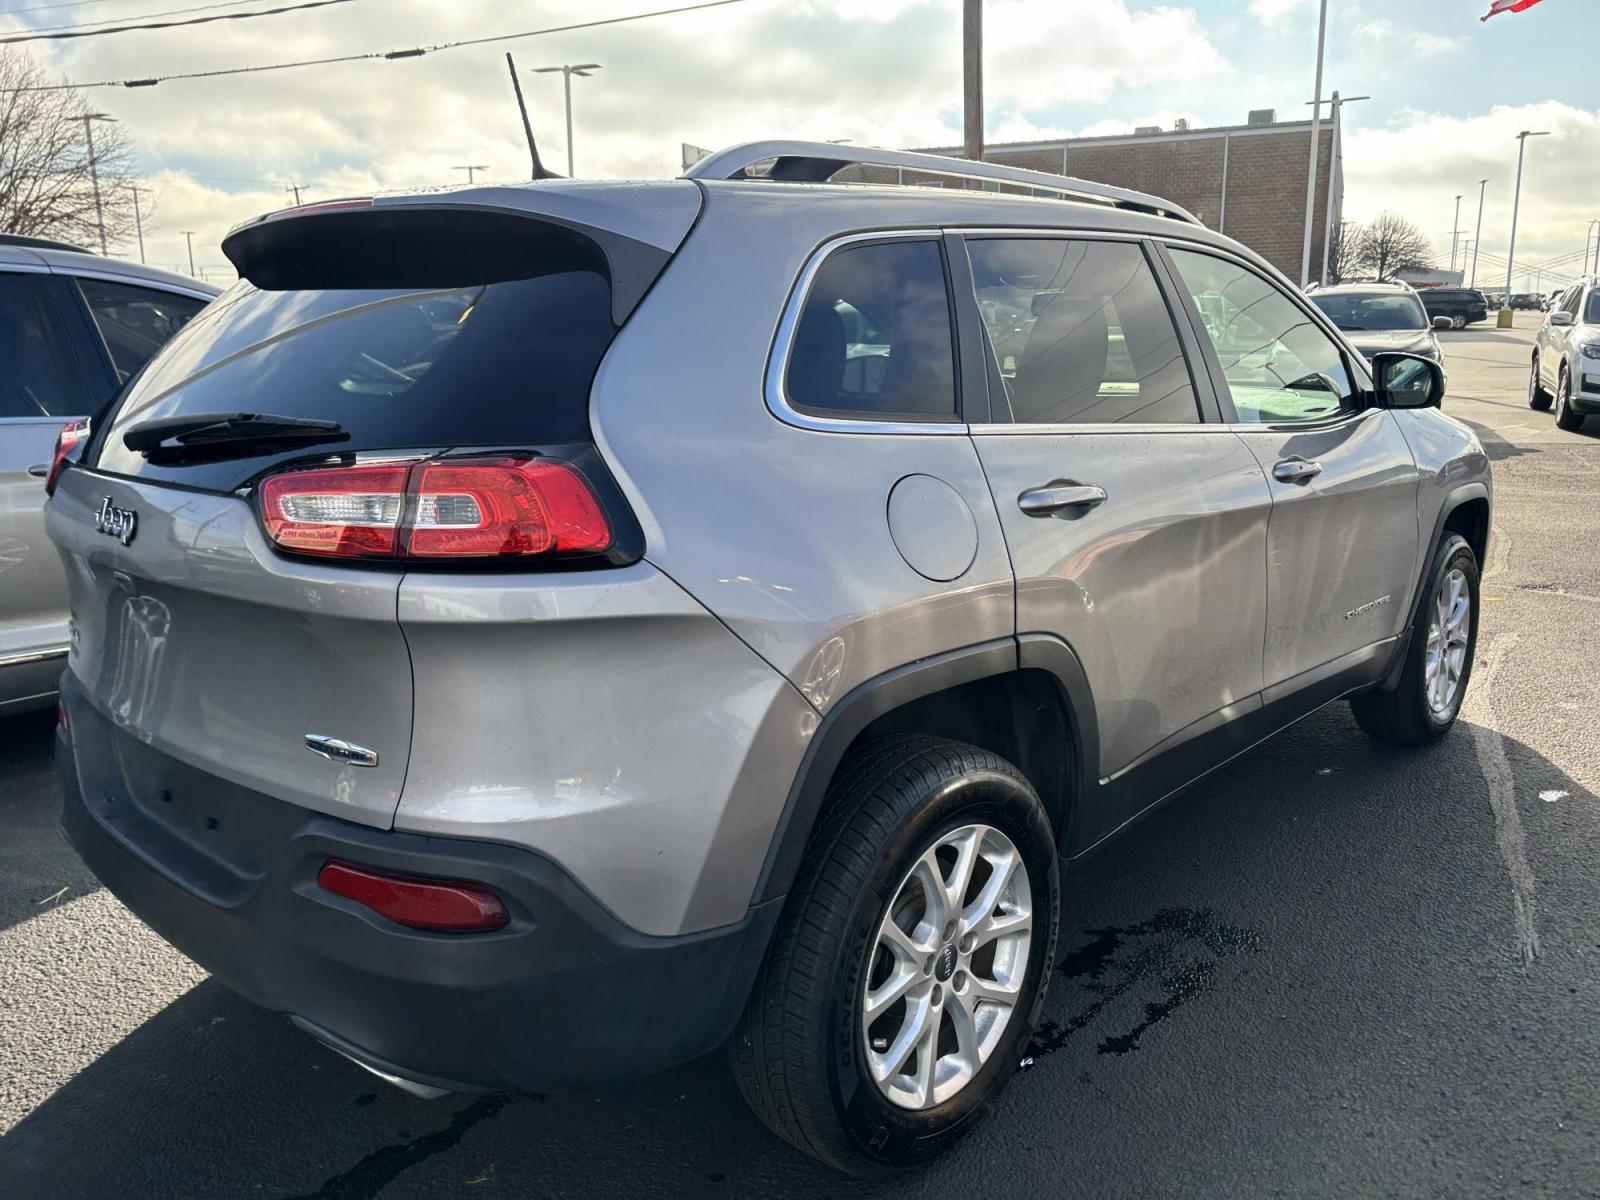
{"x":911,"y":960}
{"x":1538,"y":398}
{"x":1567,"y":417}
{"x":1458,"y":321}
{"x":1438,"y":665}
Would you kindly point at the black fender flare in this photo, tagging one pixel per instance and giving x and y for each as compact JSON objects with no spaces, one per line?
{"x":871,"y":699}
{"x":1467,"y":492}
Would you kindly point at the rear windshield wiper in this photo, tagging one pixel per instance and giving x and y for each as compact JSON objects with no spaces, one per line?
{"x":197,"y":433}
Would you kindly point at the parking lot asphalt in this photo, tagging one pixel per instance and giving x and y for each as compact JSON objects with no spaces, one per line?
{"x":1331,"y":969}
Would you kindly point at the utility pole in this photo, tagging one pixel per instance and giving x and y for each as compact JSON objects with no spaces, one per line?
{"x":188,"y":235}
{"x":1455,"y":233}
{"x":1477,"y":238}
{"x":472,"y":170}
{"x":1336,"y":104}
{"x":88,"y":120}
{"x":972,"y":79}
{"x":295,"y":188}
{"x":568,"y":70}
{"x":1516,"y":204}
{"x":138,"y":219}
{"x":1316,"y":129}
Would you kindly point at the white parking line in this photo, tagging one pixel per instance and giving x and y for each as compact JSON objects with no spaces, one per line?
{"x":1478,"y":708}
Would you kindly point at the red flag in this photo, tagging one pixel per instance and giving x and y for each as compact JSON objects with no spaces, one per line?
{"x":1500,"y":6}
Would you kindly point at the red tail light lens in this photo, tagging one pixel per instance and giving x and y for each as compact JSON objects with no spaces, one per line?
{"x":496,"y":508}
{"x":73,"y":434}
{"x":444,"y":905}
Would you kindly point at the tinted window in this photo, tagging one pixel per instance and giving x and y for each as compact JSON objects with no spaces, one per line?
{"x":1080,"y":332}
{"x":136,"y":321}
{"x":1573,"y":299}
{"x":1279,"y":366}
{"x":1357,"y":312}
{"x":504,"y":364}
{"x":1591,"y":309}
{"x":35,"y":362}
{"x":874,"y":337}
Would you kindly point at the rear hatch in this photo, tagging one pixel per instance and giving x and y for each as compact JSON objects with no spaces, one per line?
{"x":393,"y":387}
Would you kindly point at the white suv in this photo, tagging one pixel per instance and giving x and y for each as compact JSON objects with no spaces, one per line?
{"x":1566,"y":357}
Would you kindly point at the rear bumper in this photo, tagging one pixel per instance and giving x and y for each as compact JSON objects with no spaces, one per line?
{"x":564,"y":997}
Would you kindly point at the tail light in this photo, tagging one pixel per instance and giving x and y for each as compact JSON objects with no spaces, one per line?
{"x":445,"y":905}
{"x":479,"y":508}
{"x":73,"y":434}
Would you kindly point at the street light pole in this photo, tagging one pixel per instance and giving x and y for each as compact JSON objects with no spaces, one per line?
{"x":1455,"y":234}
{"x":472,"y":170}
{"x":1477,"y":238}
{"x":138,"y":219}
{"x":1516,"y":203}
{"x":568,"y":70}
{"x":88,"y":120}
{"x":1588,"y":234}
{"x":188,"y":235}
{"x":1336,"y":105}
{"x":1316,"y":129}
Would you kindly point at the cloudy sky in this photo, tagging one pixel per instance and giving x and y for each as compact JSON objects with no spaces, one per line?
{"x":1449,"y":93}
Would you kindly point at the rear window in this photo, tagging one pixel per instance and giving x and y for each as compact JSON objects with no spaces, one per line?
{"x":493,"y":364}
{"x":1361,"y":312}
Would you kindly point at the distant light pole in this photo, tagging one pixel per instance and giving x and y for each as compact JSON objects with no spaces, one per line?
{"x":472,"y":170}
{"x":1455,"y":234}
{"x":88,"y":120}
{"x":1516,"y":202}
{"x":1587,"y":235}
{"x":1316,"y":129}
{"x":568,"y":70}
{"x":138,"y":219}
{"x":1477,"y":238}
{"x":1336,"y":104}
{"x":188,"y":235}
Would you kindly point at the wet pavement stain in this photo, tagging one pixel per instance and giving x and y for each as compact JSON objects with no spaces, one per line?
{"x":1177,"y":951}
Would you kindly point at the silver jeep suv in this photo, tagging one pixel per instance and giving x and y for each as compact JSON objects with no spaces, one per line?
{"x":536,"y":635}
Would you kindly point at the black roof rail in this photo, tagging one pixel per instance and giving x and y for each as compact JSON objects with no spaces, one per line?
{"x":817,"y":162}
{"x":38,"y":243}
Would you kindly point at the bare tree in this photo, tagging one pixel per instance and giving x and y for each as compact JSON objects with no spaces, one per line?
{"x":46,"y":186}
{"x":1391,"y":244}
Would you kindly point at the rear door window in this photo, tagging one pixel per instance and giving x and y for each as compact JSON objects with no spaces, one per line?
{"x":496,"y":364}
{"x":1080,"y":332}
{"x":135,"y":321}
{"x":37,"y":371}
{"x":874,"y":340}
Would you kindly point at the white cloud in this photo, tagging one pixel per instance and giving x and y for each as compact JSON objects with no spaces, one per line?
{"x":1380,"y":31}
{"x":1271,"y":12}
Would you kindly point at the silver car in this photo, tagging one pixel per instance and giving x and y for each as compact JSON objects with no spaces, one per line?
{"x":1566,"y":357}
{"x":73,"y":327}
{"x":535,"y":635}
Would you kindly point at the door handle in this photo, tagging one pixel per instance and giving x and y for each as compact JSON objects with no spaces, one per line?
{"x":1041,"y":502}
{"x":39,"y":470}
{"x":1296,"y":470}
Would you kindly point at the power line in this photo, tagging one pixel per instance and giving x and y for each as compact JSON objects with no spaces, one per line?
{"x":89,"y":33}
{"x":11,"y":12}
{"x":416,"y":52}
{"x":171,"y":12}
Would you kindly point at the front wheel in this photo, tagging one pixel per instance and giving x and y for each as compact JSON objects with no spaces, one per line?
{"x":1458,"y":322}
{"x":911,"y":960}
{"x":1438,"y":663}
{"x":1567,"y":417}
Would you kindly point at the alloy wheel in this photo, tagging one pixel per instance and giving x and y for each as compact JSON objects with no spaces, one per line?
{"x":946,"y":967}
{"x":1449,"y":628}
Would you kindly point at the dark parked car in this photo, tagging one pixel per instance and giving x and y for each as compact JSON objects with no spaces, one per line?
{"x":1527,"y":301}
{"x":1462,"y":306}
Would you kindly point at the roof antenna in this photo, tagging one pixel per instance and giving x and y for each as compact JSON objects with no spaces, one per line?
{"x":540,"y":171}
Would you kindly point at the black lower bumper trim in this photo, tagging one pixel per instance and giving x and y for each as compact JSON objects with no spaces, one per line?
{"x":564,"y":997}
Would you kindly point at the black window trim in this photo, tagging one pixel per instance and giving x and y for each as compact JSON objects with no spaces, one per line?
{"x":791,"y":412}
{"x":1209,"y":414}
{"x":1354,"y":364}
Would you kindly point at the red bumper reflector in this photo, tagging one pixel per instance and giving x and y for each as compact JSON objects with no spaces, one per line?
{"x":445,"y":905}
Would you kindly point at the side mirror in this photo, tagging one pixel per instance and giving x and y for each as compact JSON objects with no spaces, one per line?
{"x":1408,"y":381}
{"x":1441,"y":322}
{"x":1562,"y":317}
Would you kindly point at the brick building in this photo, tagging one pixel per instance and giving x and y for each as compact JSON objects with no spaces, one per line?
{"x":1248,"y":181}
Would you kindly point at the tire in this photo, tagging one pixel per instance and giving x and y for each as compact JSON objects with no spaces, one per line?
{"x":1458,"y":321}
{"x":801,"y":1054}
{"x":1567,"y":417}
{"x":1538,"y":398}
{"x":1406,"y":715}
